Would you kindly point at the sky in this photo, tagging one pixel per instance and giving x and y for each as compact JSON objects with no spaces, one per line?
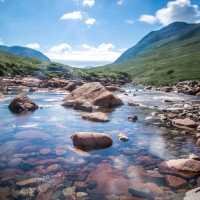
{"x":88,"y":32}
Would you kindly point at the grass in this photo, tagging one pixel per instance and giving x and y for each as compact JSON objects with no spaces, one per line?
{"x":11,"y":65}
{"x":164,"y":65}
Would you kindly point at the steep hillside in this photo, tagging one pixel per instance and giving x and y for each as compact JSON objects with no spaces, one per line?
{"x":25,"y":52}
{"x":163,"y":57}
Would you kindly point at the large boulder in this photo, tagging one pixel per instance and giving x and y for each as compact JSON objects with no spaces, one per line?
{"x":94,"y":94}
{"x":89,"y":141}
{"x":21,"y":104}
{"x":96,"y":117}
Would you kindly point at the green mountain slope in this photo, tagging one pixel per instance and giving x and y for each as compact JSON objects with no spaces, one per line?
{"x":11,"y":65}
{"x":163,"y":57}
{"x":25,"y":52}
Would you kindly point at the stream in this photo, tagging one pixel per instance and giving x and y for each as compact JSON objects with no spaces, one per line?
{"x":38,"y":160}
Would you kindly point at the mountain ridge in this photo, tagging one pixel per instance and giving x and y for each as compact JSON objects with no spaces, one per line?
{"x":24,"y":52}
{"x":162,"y":57}
{"x":153,"y":37}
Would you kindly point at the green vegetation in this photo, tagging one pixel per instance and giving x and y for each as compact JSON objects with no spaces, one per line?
{"x":14,"y":65}
{"x":163,"y":57}
{"x":165,"y":62}
{"x":11,"y":65}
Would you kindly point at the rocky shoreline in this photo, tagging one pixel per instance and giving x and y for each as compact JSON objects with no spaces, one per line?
{"x":96,"y":99}
{"x":185,"y":87}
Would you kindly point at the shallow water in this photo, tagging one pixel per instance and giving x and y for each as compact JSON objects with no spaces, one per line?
{"x":38,"y":145}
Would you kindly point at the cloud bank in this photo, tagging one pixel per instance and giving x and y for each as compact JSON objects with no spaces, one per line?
{"x":178,"y":10}
{"x":102,"y":54}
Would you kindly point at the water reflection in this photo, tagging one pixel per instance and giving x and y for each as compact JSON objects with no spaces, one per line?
{"x":38,"y":161}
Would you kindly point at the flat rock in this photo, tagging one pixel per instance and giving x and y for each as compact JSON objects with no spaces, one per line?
{"x":96,"y":117}
{"x":185,"y":122}
{"x":90,"y":140}
{"x":183,"y":165}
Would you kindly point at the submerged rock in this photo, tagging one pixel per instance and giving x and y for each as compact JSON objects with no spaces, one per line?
{"x":133,"y":118}
{"x":175,"y":182}
{"x":96,"y":117}
{"x":93,"y":94}
{"x":109,"y":180}
{"x":89,"y":141}
{"x":21,"y":104}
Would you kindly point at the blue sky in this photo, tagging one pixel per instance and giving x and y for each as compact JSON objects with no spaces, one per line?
{"x":88,"y":32}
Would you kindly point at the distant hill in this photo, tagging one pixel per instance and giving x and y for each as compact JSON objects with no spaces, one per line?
{"x":163,"y":57}
{"x":12,"y":65}
{"x":25,"y":52}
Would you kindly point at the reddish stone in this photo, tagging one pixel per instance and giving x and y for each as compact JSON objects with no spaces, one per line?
{"x":22,"y":104}
{"x":174,"y":181}
{"x":109,"y":180}
{"x":184,"y":167}
{"x":89,"y":141}
{"x":185,"y":122}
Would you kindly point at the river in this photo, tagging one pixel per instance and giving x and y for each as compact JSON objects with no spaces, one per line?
{"x":38,"y":160}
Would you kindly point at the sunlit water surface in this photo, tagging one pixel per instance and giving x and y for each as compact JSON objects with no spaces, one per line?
{"x":30,"y":143}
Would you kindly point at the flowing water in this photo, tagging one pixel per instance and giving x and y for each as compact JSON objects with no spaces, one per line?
{"x":36,"y":148}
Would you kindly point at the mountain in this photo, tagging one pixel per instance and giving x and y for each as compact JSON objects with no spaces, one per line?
{"x":25,"y":52}
{"x":163,"y":57}
{"x":155,"y":39}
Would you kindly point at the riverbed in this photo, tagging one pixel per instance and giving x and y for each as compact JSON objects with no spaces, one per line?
{"x":38,"y":160}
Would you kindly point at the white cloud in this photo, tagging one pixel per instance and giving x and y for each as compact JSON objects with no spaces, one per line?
{"x":90,"y":21}
{"x":35,"y":46}
{"x":177,"y":10}
{"x":88,"y":3}
{"x":129,"y":21}
{"x":103,"y":53}
{"x":148,"y":19}
{"x":76,"y":15}
{"x":59,"y":49}
{"x":120,"y":2}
